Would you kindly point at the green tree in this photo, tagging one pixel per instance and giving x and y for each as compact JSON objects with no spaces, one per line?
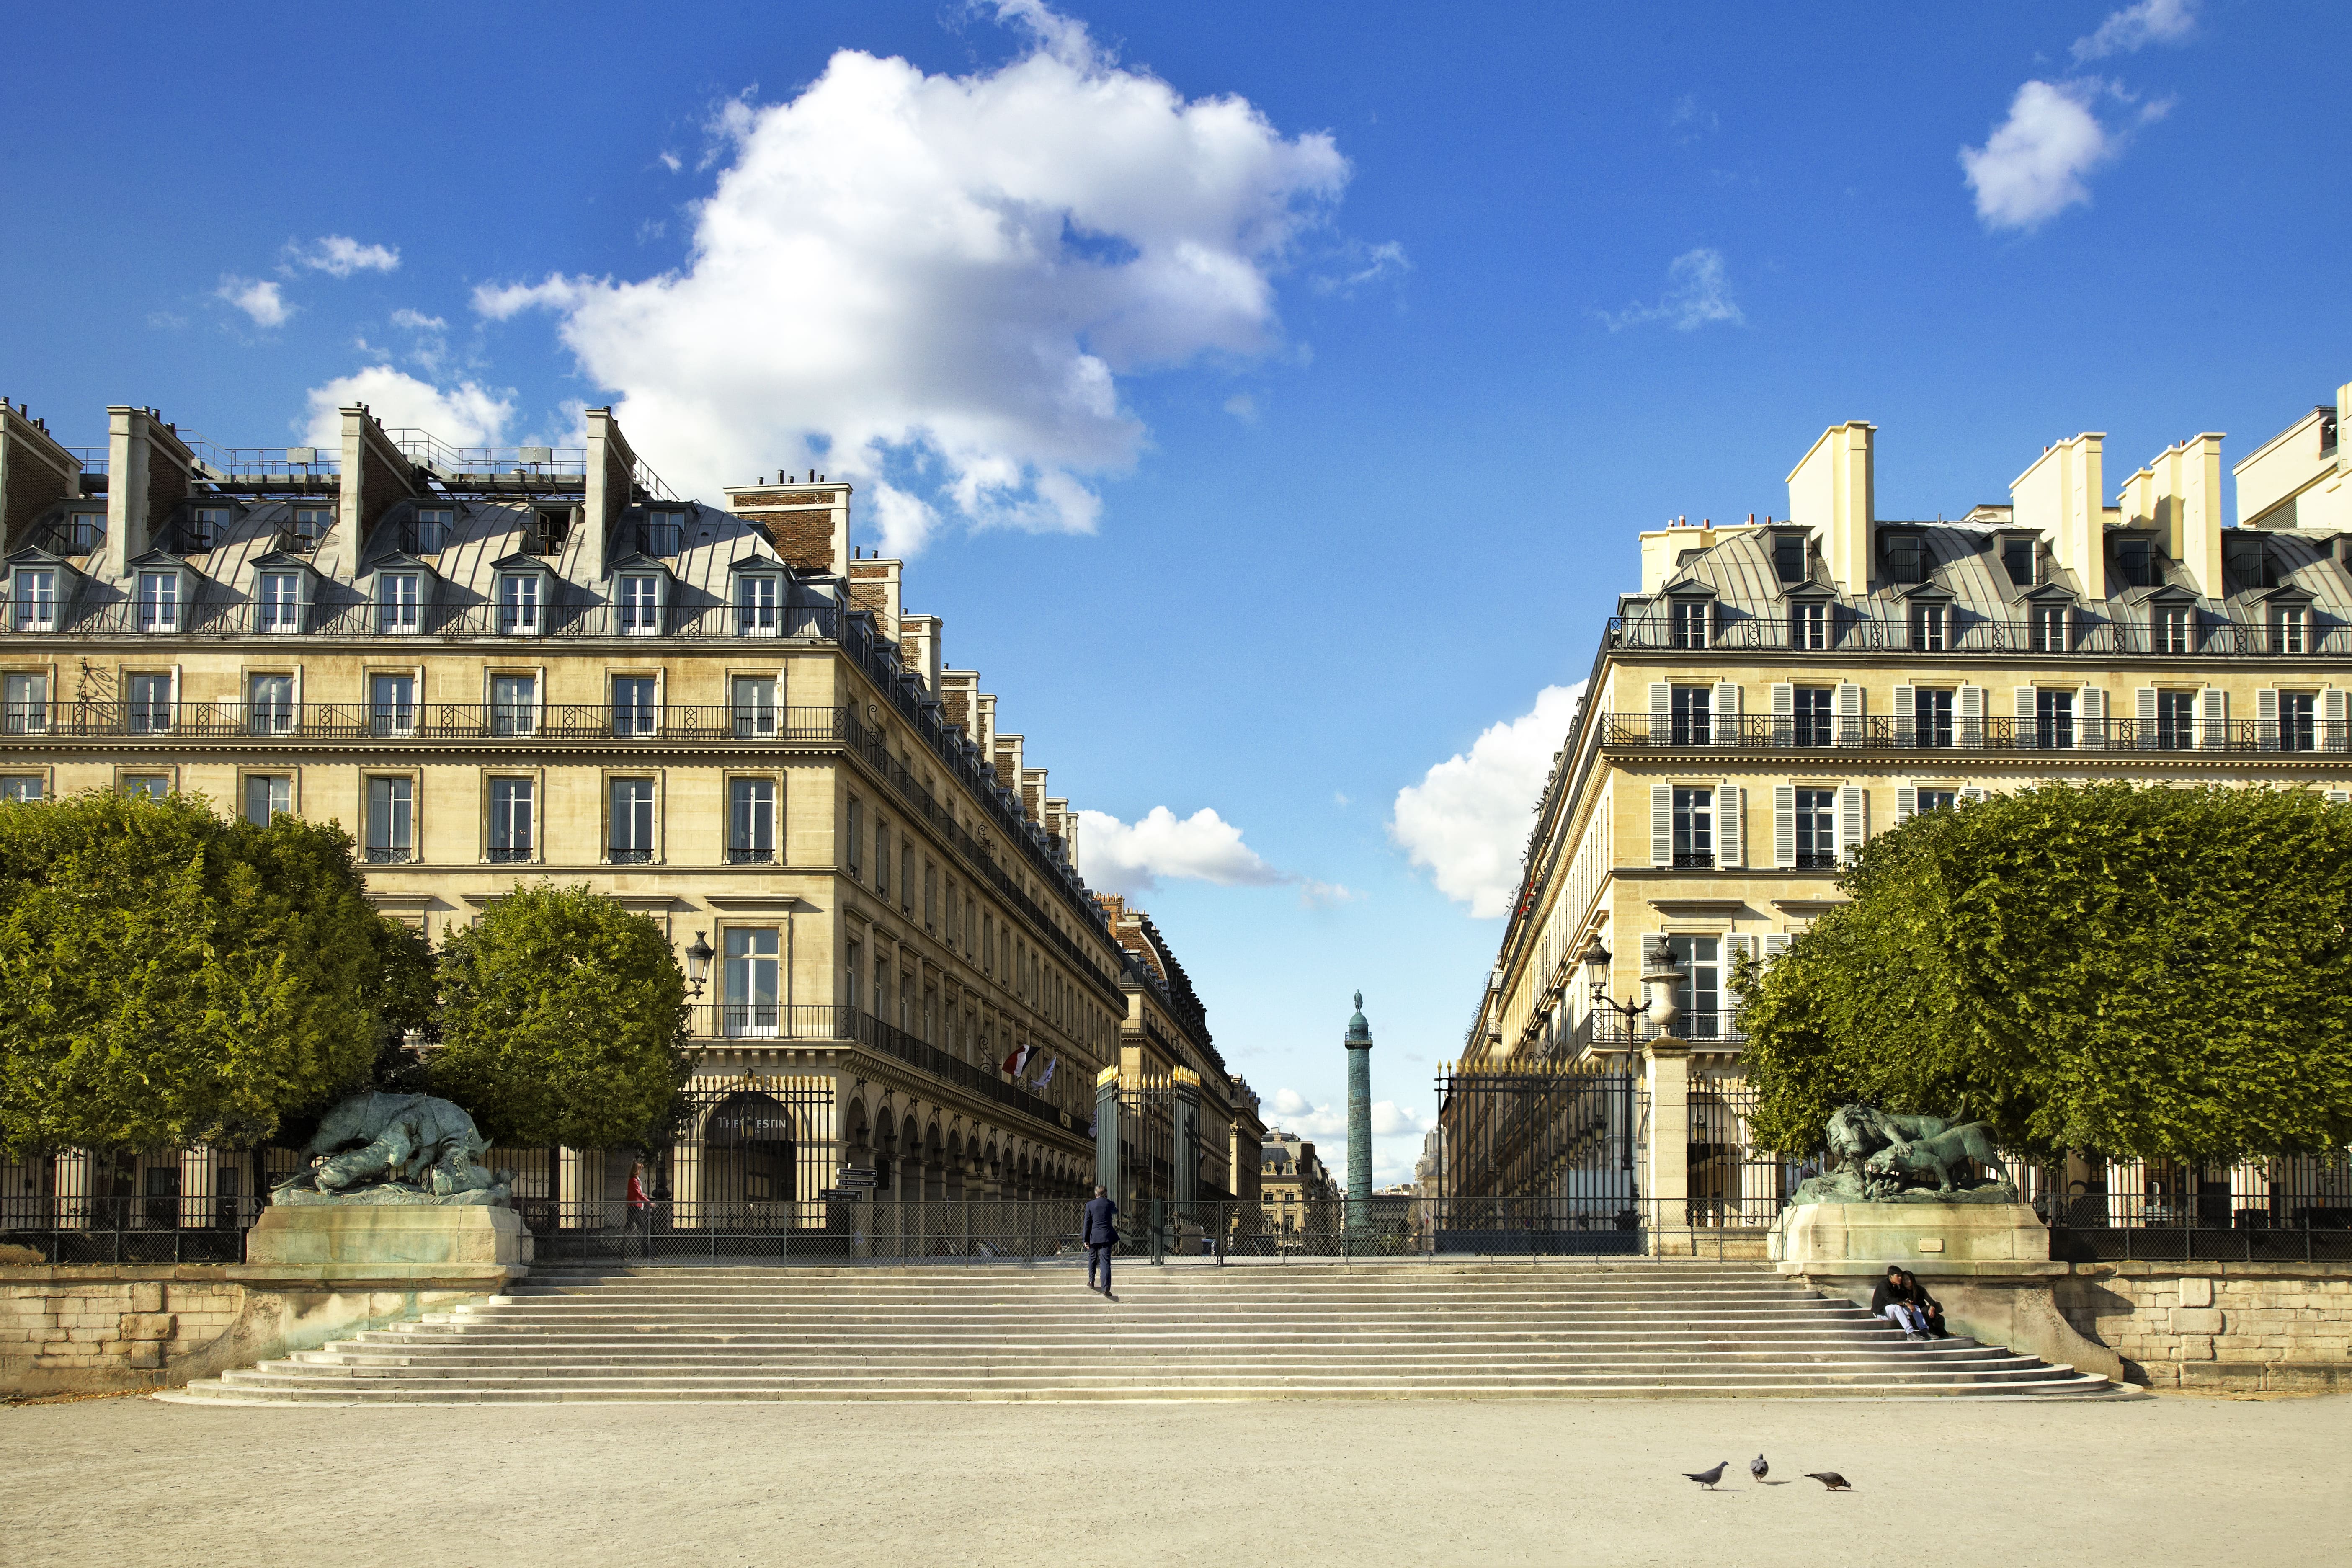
{"x":563,"y":1021}
{"x":2142,"y":971}
{"x":168,"y":977}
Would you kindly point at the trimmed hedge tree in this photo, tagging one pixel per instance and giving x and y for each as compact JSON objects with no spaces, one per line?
{"x":2139,"y":971}
{"x":168,"y":977}
{"x":562,"y":1022}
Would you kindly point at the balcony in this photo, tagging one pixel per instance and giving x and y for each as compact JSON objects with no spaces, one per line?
{"x":1962,"y":636}
{"x":279,"y":725}
{"x":1891,"y":732}
{"x":349,"y":618}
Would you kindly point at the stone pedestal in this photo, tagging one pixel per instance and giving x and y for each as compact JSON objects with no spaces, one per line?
{"x":1910,"y":1233}
{"x":374,"y":1235}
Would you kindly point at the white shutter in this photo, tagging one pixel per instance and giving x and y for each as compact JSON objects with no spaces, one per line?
{"x":2026,"y":735}
{"x":1968,"y":702}
{"x":1784,"y":712}
{"x":1775,"y":943}
{"x":1848,"y":707}
{"x":2266,"y":723}
{"x":1852,"y":819}
{"x":1661,"y":699}
{"x":1727,"y":713}
{"x":2212,"y":710}
{"x":1906,"y":804}
{"x":2331,"y":720}
{"x":1735,"y":948}
{"x":2091,"y":719}
{"x":1971,"y":791}
{"x":2144,"y":709}
{"x":2341,"y":797}
{"x":1728,"y":838}
{"x":1904,"y":705}
{"x":1662,"y":825}
{"x":1784,"y":824}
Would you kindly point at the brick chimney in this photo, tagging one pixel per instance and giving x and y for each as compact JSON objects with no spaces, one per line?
{"x":376,"y":476}
{"x":149,"y":471}
{"x":36,"y":473}
{"x":610,"y":488}
{"x":808,"y":523}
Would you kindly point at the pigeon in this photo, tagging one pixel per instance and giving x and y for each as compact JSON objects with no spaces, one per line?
{"x":1758,"y":1468}
{"x":1830,"y":1478}
{"x":1708,"y":1478}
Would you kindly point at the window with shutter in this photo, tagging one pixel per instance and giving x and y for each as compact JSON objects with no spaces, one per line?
{"x":1906,"y":804}
{"x":1662,"y":825}
{"x":1854,"y":819}
{"x":1784,"y":824}
{"x":1728,"y":835}
{"x":2266,"y":720}
{"x":1726,"y":714}
{"x":1900,"y":712}
{"x":1968,"y":701}
{"x":2332,"y":721}
{"x":1849,"y":714}
{"x":1784,"y":705}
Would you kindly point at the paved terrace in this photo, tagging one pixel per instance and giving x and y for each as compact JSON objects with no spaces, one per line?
{"x":2168,"y":1480}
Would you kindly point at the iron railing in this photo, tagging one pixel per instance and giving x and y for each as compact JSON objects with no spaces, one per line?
{"x":235,"y":719}
{"x":1902,"y":733}
{"x":1965,"y":634}
{"x":160,"y":1228}
{"x":559,"y":620}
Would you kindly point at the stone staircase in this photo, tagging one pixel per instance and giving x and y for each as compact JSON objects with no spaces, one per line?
{"x":1298,"y":1331}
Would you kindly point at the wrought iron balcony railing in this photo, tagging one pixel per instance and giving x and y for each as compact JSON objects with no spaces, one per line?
{"x":231,"y":719}
{"x":1961,"y":634}
{"x":1897,"y":733}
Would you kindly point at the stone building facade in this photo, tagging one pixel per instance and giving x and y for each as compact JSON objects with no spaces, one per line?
{"x":1775,"y":692}
{"x":499,"y":665}
{"x":1296,"y":1192}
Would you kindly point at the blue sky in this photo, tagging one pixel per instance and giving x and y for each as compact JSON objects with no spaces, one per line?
{"x":1268,"y":396}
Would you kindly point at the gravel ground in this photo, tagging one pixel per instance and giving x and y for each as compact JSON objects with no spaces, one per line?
{"x":2152,"y":1481}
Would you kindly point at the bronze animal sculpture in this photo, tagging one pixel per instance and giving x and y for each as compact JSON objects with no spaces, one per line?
{"x":1937,"y":1156}
{"x":396,"y":1147}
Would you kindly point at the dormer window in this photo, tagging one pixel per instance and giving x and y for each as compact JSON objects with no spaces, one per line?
{"x":400,"y":603}
{"x":2172,"y":629}
{"x":640,"y":600}
{"x":757,"y":598}
{"x":554,"y":527}
{"x":279,"y":595}
{"x":310,"y":525}
{"x":81,"y":533}
{"x":160,"y":598}
{"x":2048,"y":628}
{"x":33,"y":599}
{"x":519,"y":604}
{"x":665,"y":532}
{"x":1906,"y":557}
{"x":2290,"y":630}
{"x":1931,"y":627}
{"x":2247,"y":561}
{"x":431,"y":529}
{"x":1687,"y":623}
{"x":1808,"y":626}
{"x":2136,"y":562}
{"x":1789,"y":557}
{"x":207,"y":527}
{"x":2017,"y":559}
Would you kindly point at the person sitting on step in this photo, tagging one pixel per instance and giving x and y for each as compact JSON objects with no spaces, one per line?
{"x":1930,"y":1310}
{"x":1892,"y":1301}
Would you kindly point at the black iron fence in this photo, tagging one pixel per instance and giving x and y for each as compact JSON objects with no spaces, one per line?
{"x":163,"y":1228}
{"x":235,"y":719}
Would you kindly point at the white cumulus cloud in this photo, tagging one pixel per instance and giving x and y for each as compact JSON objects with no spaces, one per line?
{"x":1132,"y":858}
{"x":1397,"y":1132}
{"x":257,"y":298}
{"x":931,"y":284}
{"x":2134,"y":28}
{"x":1697,"y":293}
{"x":2030,"y":168}
{"x":1466,"y":821}
{"x":466,"y":414}
{"x":340,"y":256}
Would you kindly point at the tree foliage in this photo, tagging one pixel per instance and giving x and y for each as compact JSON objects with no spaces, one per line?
{"x":563,"y":1021}
{"x":2137,"y":971}
{"x":168,"y":977}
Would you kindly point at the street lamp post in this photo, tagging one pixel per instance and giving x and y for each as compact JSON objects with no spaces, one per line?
{"x":698,"y":962}
{"x":1661,"y":977}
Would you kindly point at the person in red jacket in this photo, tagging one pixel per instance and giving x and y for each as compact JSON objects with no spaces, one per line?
{"x":636,"y":1219}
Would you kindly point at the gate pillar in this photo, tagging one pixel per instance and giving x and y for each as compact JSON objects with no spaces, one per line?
{"x":1184,"y":1151}
{"x":1667,"y":1180}
{"x":1106,"y":1131}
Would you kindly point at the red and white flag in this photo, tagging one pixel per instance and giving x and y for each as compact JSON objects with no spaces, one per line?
{"x":1018,"y":1059}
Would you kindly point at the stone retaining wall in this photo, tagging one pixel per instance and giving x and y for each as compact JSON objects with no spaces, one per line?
{"x":112,"y":1329}
{"x":2252,"y":1326}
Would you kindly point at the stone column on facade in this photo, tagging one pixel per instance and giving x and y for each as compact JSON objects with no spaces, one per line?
{"x":196,"y":1187}
{"x":1359,"y":1118}
{"x":76,"y":1171}
{"x":1106,"y":1131}
{"x":1666,"y":1180}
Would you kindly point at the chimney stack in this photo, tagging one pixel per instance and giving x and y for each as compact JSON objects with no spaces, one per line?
{"x":2063,"y":496}
{"x":1831,"y":492}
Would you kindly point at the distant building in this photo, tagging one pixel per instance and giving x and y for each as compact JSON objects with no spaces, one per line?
{"x":1296,"y":1189}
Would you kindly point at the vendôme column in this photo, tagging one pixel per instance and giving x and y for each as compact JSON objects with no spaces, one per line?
{"x":1359,"y":1118}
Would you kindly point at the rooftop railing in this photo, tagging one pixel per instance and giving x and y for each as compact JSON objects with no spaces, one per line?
{"x":235,"y":719}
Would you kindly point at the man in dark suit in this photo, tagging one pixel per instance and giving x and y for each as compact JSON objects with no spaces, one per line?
{"x":1100,"y":1235}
